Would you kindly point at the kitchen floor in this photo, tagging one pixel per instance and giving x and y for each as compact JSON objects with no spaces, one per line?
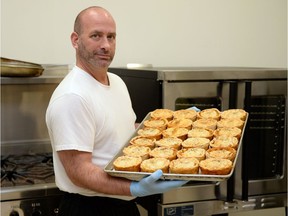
{"x":265,"y":212}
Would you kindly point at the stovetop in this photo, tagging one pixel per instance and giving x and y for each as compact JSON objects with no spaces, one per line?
{"x":29,"y":169}
{"x":27,"y":176}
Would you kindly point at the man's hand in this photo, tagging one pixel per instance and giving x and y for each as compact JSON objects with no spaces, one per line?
{"x":195,"y":108}
{"x":152,"y":185}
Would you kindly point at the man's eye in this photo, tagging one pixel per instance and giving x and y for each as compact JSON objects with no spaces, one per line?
{"x":111,"y":37}
{"x":96,"y":36}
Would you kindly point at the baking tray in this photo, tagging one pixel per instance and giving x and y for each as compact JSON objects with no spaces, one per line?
{"x":137,"y":176}
{"x":16,"y":68}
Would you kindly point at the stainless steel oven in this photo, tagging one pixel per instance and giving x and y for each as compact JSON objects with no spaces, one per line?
{"x":27,"y":176}
{"x":260,"y":177}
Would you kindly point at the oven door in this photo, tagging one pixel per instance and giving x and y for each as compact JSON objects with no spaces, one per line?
{"x":256,"y":173}
{"x":182,"y":95}
{"x":262,"y":167}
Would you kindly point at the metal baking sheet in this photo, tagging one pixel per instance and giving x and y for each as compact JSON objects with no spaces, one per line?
{"x":137,"y":176}
{"x":16,"y":68}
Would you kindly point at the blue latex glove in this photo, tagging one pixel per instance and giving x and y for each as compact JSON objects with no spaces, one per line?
{"x":194,"y":108}
{"x":150,"y":185}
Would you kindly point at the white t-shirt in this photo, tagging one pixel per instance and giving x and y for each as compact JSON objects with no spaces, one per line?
{"x":85,"y":115}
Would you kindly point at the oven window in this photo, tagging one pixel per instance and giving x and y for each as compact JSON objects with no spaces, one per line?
{"x":201,"y":103}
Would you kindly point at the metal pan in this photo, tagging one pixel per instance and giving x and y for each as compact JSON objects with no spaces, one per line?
{"x":16,"y":68}
{"x":137,"y":176}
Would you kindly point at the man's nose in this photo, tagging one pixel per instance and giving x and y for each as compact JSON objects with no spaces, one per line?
{"x":105,"y":43}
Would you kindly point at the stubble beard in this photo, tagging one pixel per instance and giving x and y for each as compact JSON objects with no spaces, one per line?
{"x":92,"y":57}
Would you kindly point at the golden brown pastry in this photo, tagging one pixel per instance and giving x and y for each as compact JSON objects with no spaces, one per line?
{"x":127,"y":163}
{"x":221,"y":152}
{"x":201,"y":132}
{"x":156,"y":123}
{"x":143,"y":141}
{"x":152,"y":133}
{"x":183,"y":123}
{"x":215,"y":166}
{"x":184,"y":166}
{"x":185,"y":113}
{"x":180,"y":133}
{"x":162,"y":113}
{"x":198,"y":153}
{"x":211,"y":113}
{"x":230,"y":123}
{"x":164,"y":152}
{"x":234,"y":114}
{"x":196,"y":142}
{"x":152,"y":164}
{"x":228,"y":131}
{"x":205,"y":123}
{"x":137,"y":151}
{"x":170,"y":142}
{"x":224,"y":141}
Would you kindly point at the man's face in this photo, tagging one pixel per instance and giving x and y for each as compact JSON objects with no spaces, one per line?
{"x":97,"y":40}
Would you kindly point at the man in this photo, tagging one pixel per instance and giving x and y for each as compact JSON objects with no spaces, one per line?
{"x":89,"y":119}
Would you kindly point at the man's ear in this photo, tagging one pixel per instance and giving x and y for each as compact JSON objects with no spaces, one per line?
{"x":74,"y":39}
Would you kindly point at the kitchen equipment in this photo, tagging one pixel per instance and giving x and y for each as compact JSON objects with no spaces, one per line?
{"x":24,"y":101}
{"x":260,"y":176}
{"x":27,"y":176}
{"x":16,"y":68}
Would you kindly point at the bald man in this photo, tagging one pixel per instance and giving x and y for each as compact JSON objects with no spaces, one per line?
{"x":89,"y":119}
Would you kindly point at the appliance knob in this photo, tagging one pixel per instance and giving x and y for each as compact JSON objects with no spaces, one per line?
{"x":37,"y":213}
{"x":14,"y":213}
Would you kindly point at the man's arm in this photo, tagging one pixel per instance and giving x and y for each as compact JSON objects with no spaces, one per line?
{"x":83,"y":173}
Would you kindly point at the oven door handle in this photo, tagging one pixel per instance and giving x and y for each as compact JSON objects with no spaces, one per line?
{"x":245,"y":165}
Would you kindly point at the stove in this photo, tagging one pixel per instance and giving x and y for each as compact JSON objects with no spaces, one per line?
{"x":27,"y":178}
{"x":27,"y":169}
{"x":28,"y":185}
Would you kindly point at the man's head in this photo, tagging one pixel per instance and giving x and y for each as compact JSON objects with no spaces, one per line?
{"x":94,"y":37}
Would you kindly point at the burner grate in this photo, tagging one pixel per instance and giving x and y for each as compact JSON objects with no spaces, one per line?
{"x":26,"y":169}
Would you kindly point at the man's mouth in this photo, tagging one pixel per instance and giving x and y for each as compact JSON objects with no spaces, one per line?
{"x":104,"y":57}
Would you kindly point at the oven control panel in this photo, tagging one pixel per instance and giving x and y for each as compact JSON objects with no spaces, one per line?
{"x":31,"y":207}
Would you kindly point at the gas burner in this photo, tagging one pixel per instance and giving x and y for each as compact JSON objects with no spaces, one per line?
{"x":12,"y":175}
{"x":26,"y":169}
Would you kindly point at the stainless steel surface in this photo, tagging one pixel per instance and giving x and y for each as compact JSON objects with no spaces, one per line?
{"x":276,"y":186}
{"x":213,"y":207}
{"x":109,"y":168}
{"x":192,"y":191}
{"x":31,"y":80}
{"x":44,"y":205}
{"x":199,"y":86}
{"x":24,"y":102}
{"x":22,"y":147}
{"x":23,"y":105}
{"x":174,"y":90}
{"x":218,"y":73}
{"x":31,"y":191}
{"x":270,"y":185}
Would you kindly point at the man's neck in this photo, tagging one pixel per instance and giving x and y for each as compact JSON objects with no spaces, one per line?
{"x":100,"y":74}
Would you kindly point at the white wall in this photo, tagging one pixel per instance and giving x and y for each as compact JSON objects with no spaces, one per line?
{"x":160,"y":32}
